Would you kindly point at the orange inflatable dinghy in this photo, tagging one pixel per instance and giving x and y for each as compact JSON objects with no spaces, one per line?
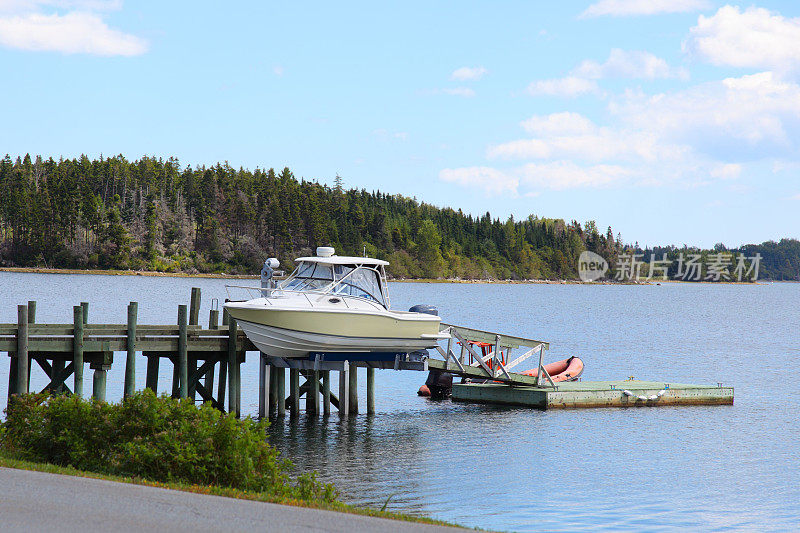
{"x":566,"y":370}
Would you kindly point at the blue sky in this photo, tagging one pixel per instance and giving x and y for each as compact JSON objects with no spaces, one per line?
{"x":673,"y":121}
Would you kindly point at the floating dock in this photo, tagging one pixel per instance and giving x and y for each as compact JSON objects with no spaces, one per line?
{"x":579,"y":394}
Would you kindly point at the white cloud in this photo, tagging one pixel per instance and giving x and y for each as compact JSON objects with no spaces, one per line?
{"x":26,"y":6}
{"x":753,"y":116}
{"x":629,"y":64}
{"x":568,"y":86}
{"x":623,"y":8}
{"x":620,"y":64}
{"x":755,"y":38}
{"x":278,"y":70}
{"x":456,"y":91}
{"x":587,"y":142}
{"x":492,"y":181}
{"x":386,"y":135}
{"x":726,"y":171}
{"x":559,"y":175}
{"x":76,"y":32}
{"x":468,"y":73}
{"x":558,"y":124}
{"x":795,"y":197}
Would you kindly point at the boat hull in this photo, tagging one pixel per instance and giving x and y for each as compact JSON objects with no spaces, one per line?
{"x":280,"y":342}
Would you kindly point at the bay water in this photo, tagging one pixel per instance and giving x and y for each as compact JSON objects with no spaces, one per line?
{"x":506,"y":468}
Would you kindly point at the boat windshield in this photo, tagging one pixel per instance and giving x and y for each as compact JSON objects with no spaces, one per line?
{"x":352,"y":280}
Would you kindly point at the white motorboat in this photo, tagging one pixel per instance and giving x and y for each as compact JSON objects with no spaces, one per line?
{"x":331,"y":304}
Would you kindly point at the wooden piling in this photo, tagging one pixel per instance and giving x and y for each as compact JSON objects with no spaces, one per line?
{"x":294,"y":392}
{"x":99,"y":384}
{"x":222,"y":386}
{"x":130,"y":345}
{"x":353,"y":389}
{"x":280,"y":390}
{"x":233,"y":407}
{"x":370,"y":390}
{"x":272,"y":399}
{"x":213,"y":323}
{"x":151,"y":381}
{"x":312,"y":396}
{"x":344,"y":385}
{"x":22,"y":350}
{"x":194,"y":307}
{"x":77,"y":349}
{"x":85,"y":306}
{"x":31,"y":311}
{"x":183,"y":356}
{"x":263,"y":387}
{"x":12,"y":375}
{"x":326,"y":392}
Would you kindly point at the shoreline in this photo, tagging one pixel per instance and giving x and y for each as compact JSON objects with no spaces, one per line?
{"x":226,"y":492}
{"x":151,"y":273}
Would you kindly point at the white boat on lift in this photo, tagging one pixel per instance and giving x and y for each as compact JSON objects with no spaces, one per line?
{"x":330,"y":304}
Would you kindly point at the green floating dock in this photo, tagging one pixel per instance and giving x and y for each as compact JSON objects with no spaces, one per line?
{"x":568,"y":395}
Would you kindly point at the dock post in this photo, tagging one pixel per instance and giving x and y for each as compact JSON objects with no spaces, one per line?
{"x":31,"y":311}
{"x":12,"y":374}
{"x":183,"y":355}
{"x":280,"y":390}
{"x":326,"y":392}
{"x":238,"y":373}
{"x":85,"y":306}
{"x":99,"y":384}
{"x":213,"y":323}
{"x":222,"y":385}
{"x":370,"y":390}
{"x":22,"y":350}
{"x":151,"y":381}
{"x":294,"y":392}
{"x":232,"y":362}
{"x":353,"y":389}
{"x":263,"y":387}
{"x":130,"y":345}
{"x":194,"y":307}
{"x":272,"y":399}
{"x":344,"y":395}
{"x":77,"y":349}
{"x":312,"y":396}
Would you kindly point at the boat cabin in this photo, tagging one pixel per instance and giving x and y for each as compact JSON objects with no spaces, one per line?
{"x":325,"y":273}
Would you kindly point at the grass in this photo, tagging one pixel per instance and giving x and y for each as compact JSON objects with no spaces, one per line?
{"x":161,"y":442}
{"x":10,"y":462}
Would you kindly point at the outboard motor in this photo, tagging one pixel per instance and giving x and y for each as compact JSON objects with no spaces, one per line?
{"x":424,"y":308}
{"x":439,"y":384}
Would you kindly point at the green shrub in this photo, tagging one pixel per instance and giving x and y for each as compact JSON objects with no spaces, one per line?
{"x":155,"y":438}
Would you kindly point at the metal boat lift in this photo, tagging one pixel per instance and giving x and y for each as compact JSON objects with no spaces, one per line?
{"x":468,"y":363}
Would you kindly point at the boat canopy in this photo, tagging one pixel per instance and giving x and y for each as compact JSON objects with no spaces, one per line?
{"x":360,"y":277}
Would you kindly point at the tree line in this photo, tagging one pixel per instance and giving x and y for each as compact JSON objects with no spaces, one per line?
{"x":156,"y":214}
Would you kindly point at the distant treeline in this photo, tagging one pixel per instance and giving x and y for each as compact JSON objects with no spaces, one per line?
{"x":154,"y":214}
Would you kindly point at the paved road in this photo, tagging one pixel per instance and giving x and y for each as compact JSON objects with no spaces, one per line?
{"x":36,"y":501}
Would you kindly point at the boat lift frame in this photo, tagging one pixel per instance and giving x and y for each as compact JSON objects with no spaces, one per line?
{"x":491,"y":366}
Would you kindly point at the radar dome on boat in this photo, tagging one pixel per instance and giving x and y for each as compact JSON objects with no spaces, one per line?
{"x":325,"y":251}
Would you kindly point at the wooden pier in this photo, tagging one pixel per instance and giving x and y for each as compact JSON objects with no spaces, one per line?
{"x":201,"y":357}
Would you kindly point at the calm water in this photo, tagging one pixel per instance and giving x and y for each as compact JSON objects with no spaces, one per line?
{"x":716,"y":468}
